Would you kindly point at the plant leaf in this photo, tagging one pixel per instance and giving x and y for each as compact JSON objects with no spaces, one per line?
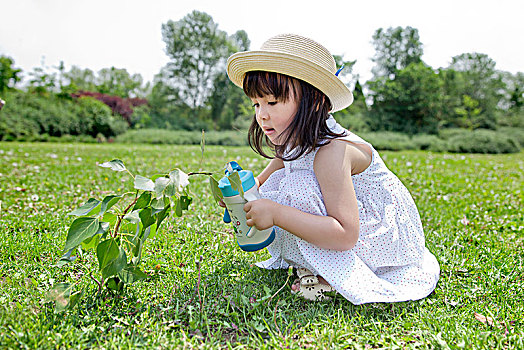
{"x":160,"y":185}
{"x":108,"y":202}
{"x":80,"y":230}
{"x":137,"y":251}
{"x":116,"y":265}
{"x":85,"y":208}
{"x":179,"y":178}
{"x":106,"y":252}
{"x":110,"y":218}
{"x":236,"y":184}
{"x":217,"y":194}
{"x":114,"y":283}
{"x":91,"y":242}
{"x":143,"y":201}
{"x":152,"y":230}
{"x":132,"y":217}
{"x":66,"y":258}
{"x":104,"y":226}
{"x":132,"y":274}
{"x":178,"y":208}
{"x":115,"y":164}
{"x":59,"y":294}
{"x":162,"y":215}
{"x":146,"y":217}
{"x":171,"y":189}
{"x":185,"y":201}
{"x":75,"y":298}
{"x":158,"y":204}
{"x":143,"y":183}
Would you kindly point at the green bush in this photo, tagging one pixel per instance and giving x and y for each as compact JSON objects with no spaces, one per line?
{"x":27,"y":115}
{"x":181,"y":137}
{"x":55,"y":139}
{"x":483,"y":141}
{"x":429,"y":142}
{"x":449,"y":133}
{"x":388,"y":140}
{"x":515,"y":133}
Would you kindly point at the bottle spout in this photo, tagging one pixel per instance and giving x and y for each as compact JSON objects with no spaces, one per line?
{"x":231,"y":167}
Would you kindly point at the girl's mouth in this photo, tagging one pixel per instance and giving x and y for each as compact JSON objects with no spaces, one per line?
{"x":269,"y":131}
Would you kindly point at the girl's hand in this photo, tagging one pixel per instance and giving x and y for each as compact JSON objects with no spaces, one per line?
{"x":260,"y":213}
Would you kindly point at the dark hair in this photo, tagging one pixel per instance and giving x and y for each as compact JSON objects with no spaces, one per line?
{"x":307,"y":130}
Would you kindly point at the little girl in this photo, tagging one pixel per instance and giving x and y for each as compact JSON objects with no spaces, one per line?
{"x":343,"y":219}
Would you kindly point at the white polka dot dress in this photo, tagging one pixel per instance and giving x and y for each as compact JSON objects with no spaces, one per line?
{"x":389,"y":263}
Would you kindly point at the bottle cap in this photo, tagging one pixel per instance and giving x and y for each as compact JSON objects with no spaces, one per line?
{"x":248,"y":181}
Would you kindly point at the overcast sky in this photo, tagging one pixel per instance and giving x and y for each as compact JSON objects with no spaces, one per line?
{"x":127,"y":34}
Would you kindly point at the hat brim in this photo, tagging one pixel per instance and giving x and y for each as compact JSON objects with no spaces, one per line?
{"x":240,"y":63}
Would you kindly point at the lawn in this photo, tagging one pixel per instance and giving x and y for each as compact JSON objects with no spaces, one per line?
{"x":470,"y":205}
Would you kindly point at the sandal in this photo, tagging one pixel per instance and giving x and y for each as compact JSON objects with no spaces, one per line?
{"x":310,"y":287}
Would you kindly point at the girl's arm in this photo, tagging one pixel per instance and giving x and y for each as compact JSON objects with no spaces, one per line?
{"x":340,"y":228}
{"x":274,"y":165}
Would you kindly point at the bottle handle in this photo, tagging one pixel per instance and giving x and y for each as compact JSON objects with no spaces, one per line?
{"x":230,"y":167}
{"x":227,"y":217}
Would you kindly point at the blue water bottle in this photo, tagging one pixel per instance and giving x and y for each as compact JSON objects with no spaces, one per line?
{"x":248,"y":238}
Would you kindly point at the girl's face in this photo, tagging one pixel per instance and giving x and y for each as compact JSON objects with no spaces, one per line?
{"x":274,"y":116}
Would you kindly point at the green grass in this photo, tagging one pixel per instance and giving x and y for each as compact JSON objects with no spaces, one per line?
{"x":471,"y":208}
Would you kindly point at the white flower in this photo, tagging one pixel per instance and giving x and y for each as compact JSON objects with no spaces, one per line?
{"x":35,"y":197}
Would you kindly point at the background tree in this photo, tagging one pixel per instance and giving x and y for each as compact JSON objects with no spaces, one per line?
{"x":409,"y":103}
{"x":228,"y":104}
{"x":512,"y":100}
{"x":395,"y":48}
{"x":468,"y":113}
{"x":167,"y":109}
{"x":9,"y":75}
{"x":78,"y":79}
{"x":240,"y":41}
{"x":473,"y":75}
{"x":195,"y":80}
{"x":405,"y":92}
{"x":42,"y":80}
{"x":355,"y":116}
{"x":198,"y":51}
{"x":118,"y":82}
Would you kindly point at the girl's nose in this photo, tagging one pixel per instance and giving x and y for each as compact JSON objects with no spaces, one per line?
{"x":263,"y":113}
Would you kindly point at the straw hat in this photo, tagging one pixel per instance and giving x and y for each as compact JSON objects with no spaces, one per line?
{"x":298,"y":57}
